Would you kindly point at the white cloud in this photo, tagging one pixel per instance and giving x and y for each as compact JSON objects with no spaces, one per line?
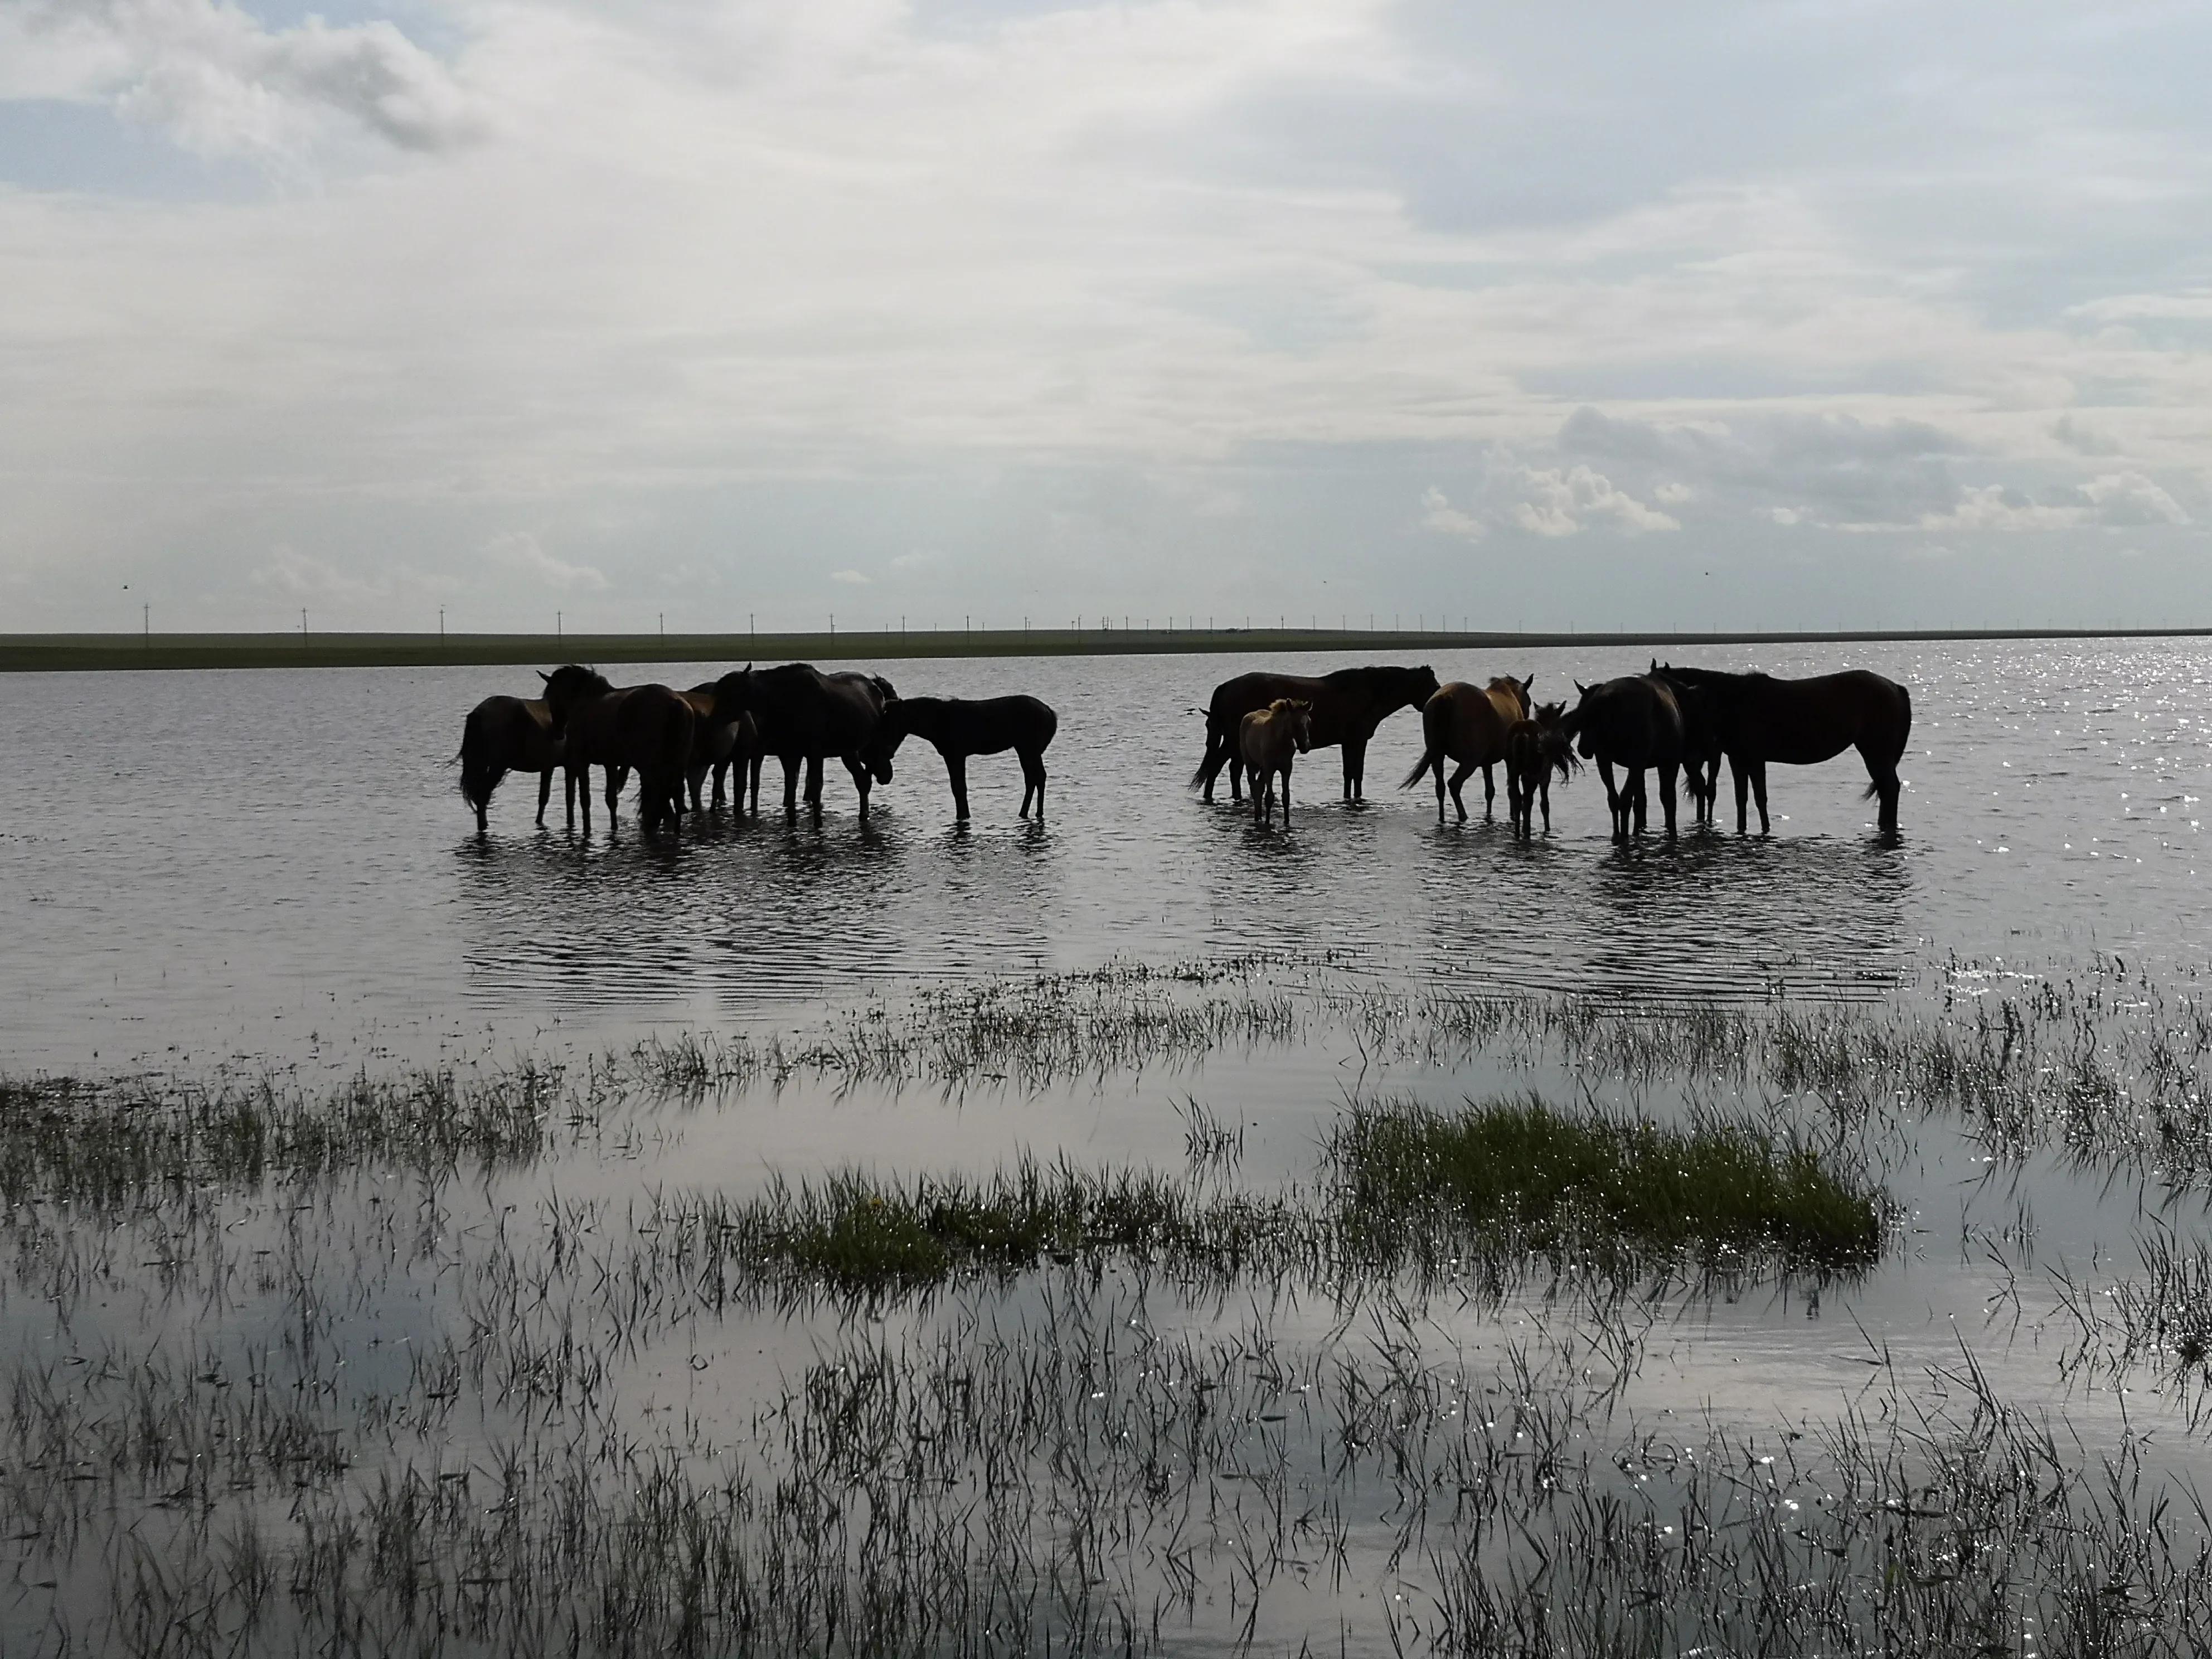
{"x":1440,"y":515}
{"x":1562,"y":500}
{"x":518,"y":550}
{"x":1784,"y":515}
{"x":1674,"y":495}
{"x":852,"y":579}
{"x":2129,"y":499}
{"x":1994,"y":507}
{"x":219,"y":83}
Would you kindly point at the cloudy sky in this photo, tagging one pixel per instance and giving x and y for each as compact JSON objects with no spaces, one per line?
{"x":1779,"y":314}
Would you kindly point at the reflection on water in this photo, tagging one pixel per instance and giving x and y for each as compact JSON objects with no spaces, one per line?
{"x":175,"y":881}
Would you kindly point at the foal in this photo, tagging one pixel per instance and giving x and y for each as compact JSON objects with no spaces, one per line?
{"x":1269,"y":739}
{"x":958,"y":728}
{"x":1534,"y":749}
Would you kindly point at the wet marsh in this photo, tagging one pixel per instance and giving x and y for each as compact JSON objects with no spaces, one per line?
{"x":1559,"y":1328}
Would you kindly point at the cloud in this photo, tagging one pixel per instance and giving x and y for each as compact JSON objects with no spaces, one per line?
{"x":1562,"y":501}
{"x":852,"y":579}
{"x":1997,"y":507}
{"x":2081,"y":438}
{"x":1674,"y":495}
{"x":919,"y":559}
{"x":1441,"y":516}
{"x":300,"y":575}
{"x":2125,"y":500}
{"x":518,"y":550}
{"x":217,"y":82}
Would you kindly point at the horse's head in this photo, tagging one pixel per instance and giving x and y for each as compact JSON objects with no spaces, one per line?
{"x":1301,"y":713}
{"x":566,"y":687}
{"x":733,"y":695}
{"x":1420,"y":685}
{"x":891,"y":730}
{"x":1574,"y":724}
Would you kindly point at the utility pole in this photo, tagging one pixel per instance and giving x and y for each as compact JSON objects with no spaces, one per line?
{"x":303,"y":628}
{"x":442,"y":622}
{"x":146,"y":621}
{"x":556,"y":624}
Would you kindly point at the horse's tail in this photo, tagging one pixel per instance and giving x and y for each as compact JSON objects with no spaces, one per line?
{"x":1430,"y":757}
{"x":481,"y":767}
{"x":1216,"y":751}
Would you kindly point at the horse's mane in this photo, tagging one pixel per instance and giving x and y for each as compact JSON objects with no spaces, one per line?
{"x":585,"y":682}
{"x":1366,"y":673}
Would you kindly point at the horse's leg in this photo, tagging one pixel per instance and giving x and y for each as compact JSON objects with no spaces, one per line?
{"x":814,"y":788}
{"x":1641,"y":789}
{"x":956,"y":773}
{"x":1033,"y":781}
{"x":1355,"y":766}
{"x":791,"y":765}
{"x":1612,"y":798}
{"x":1739,"y":776}
{"x":1759,"y":793}
{"x":860,"y":782}
{"x":1543,"y":795}
{"x":1440,"y":789}
{"x":1666,"y":794}
{"x":1489,"y":791}
{"x":1287,"y":792}
{"x":1236,"y":778}
{"x":1460,"y":775}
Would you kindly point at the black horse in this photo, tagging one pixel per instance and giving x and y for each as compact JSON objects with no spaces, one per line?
{"x":1701,"y":741}
{"x":1758,"y":719}
{"x":805,"y":715}
{"x":1635,"y":723}
{"x":1347,"y":706}
{"x":645,"y":728}
{"x":958,"y":728}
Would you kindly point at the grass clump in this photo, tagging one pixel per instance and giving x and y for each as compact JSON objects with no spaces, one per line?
{"x":1520,"y":1171}
{"x":859,"y":1234}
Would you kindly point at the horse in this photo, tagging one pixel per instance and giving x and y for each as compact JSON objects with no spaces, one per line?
{"x":1701,"y":743}
{"x":1636,"y":723}
{"x":503,"y":735}
{"x":958,"y":728}
{"x":1347,"y":706}
{"x":1758,"y":719}
{"x":805,"y":715}
{"x":718,"y":745}
{"x":1469,"y":725}
{"x":1267,"y":739}
{"x":1535,"y":748}
{"x":646,"y":727}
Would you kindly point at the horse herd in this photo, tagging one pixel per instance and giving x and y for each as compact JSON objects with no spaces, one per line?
{"x":1671,"y":721}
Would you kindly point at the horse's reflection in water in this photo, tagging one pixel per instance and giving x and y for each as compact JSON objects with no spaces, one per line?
{"x":751,"y":916}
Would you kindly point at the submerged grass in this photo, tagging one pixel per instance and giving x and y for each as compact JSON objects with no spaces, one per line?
{"x":63,"y":1140}
{"x":1406,"y":1189}
{"x":1524,"y":1173}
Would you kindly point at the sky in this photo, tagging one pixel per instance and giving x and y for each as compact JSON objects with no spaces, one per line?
{"x":1773,"y":315}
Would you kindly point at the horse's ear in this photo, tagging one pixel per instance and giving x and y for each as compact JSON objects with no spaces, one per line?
{"x":1527,"y":680}
{"x":547,"y":677}
{"x":1582,"y":689}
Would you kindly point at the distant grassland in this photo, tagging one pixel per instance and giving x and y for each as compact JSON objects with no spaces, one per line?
{"x":50,"y":651}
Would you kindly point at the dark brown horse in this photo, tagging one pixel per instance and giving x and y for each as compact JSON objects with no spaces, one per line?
{"x":503,"y":735}
{"x":1268,"y":740}
{"x":1535,"y":749}
{"x":1758,"y":718}
{"x":805,"y":715}
{"x":1347,"y":706}
{"x":645,"y":728}
{"x":1467,"y":724}
{"x":1634,"y":723}
{"x":958,"y":728}
{"x":717,"y":747}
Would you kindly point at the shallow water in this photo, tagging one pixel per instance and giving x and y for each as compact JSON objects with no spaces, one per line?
{"x":180,"y":903}
{"x":278,"y":863}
